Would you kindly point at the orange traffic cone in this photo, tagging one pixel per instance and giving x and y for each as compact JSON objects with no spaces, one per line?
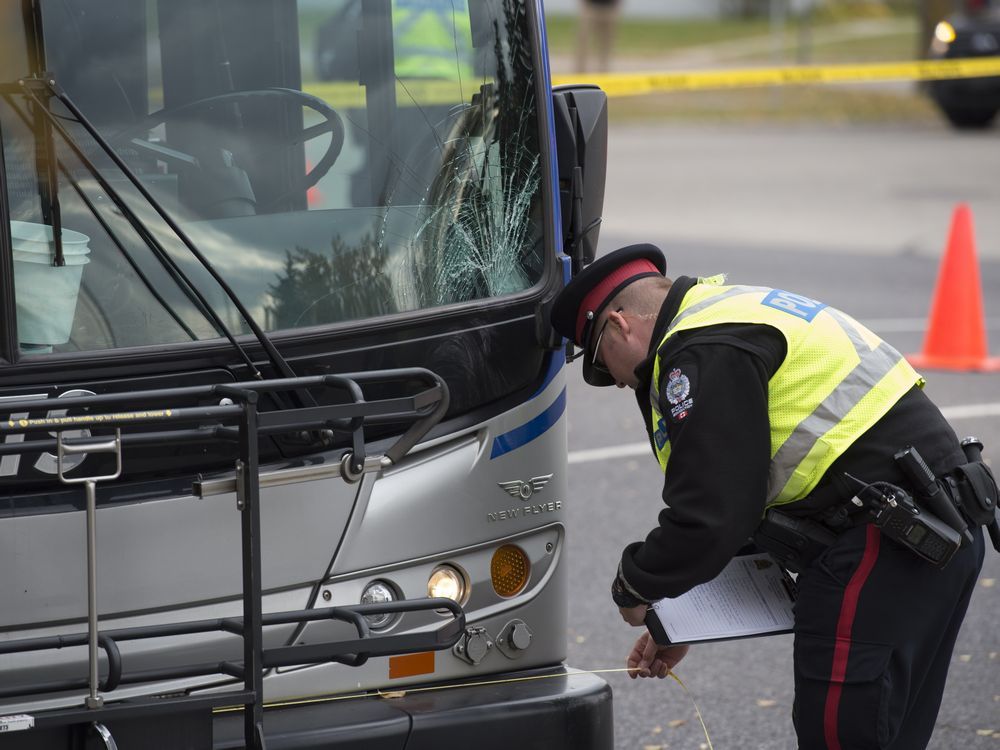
{"x":956,"y":334}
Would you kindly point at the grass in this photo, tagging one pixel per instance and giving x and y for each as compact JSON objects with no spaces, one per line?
{"x":888,"y":47}
{"x":845,"y":105}
{"x":882,"y":48}
{"x":654,"y":36}
{"x":645,"y":44}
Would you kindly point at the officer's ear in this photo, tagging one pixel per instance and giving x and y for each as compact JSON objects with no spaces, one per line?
{"x":619,"y":321}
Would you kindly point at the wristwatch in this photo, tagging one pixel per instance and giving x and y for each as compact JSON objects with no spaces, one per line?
{"x":622,"y":597}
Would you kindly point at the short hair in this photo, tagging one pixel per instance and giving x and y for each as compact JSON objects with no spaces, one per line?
{"x":643,"y":296}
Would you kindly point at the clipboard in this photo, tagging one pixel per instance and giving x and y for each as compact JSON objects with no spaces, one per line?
{"x":752,"y":596}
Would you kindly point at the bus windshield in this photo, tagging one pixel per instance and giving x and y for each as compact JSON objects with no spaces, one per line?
{"x":333,"y":160}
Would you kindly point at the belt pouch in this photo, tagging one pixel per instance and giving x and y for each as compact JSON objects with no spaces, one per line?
{"x":975,"y":489}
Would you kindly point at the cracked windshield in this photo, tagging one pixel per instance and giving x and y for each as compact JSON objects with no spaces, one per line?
{"x":332,"y":160}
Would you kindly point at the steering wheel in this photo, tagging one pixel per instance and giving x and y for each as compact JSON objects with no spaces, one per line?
{"x":332,"y":123}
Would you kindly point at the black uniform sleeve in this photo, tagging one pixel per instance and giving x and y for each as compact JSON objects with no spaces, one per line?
{"x":716,"y":480}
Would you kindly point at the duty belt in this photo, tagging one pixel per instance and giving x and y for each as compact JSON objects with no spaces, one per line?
{"x":933,"y":522}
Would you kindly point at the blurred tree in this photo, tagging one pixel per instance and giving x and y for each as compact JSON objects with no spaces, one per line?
{"x":348,"y":284}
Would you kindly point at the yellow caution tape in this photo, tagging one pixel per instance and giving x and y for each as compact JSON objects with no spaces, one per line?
{"x":635,"y":84}
{"x":417,"y":92}
{"x":409,"y":92}
{"x":449,"y":686}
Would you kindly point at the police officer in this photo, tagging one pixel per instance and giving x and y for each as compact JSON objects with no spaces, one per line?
{"x":757,"y":398}
{"x":596,"y":32}
{"x":432,"y":39}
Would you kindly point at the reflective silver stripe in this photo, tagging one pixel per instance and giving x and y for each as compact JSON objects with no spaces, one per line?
{"x":709,"y":301}
{"x":654,"y":396}
{"x":873,"y":365}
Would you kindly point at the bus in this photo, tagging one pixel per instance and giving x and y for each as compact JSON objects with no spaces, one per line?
{"x":282,"y":429}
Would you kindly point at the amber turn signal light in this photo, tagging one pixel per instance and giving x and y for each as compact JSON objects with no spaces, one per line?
{"x":509,"y":570}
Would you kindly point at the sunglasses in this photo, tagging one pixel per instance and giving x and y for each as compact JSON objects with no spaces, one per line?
{"x":600,"y":366}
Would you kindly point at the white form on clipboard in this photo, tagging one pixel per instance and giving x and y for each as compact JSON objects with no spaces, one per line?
{"x":752,"y":596}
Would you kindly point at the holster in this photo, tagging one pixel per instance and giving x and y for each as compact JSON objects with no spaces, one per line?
{"x":792,"y":541}
{"x":973,"y":488}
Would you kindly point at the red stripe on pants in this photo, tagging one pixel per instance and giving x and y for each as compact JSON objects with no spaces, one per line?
{"x":842,"y":649}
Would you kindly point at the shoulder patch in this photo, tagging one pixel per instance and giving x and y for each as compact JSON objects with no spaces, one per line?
{"x":677,"y":392}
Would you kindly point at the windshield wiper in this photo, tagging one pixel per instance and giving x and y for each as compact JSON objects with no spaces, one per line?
{"x":45,"y":82}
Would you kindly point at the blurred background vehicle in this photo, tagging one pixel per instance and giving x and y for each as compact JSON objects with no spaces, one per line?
{"x":975,"y":32}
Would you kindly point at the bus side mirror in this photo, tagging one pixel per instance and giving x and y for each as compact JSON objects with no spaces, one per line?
{"x":581,"y":125}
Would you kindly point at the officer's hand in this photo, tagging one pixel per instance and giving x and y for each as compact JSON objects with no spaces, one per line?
{"x":649,"y":659}
{"x":634,"y":615}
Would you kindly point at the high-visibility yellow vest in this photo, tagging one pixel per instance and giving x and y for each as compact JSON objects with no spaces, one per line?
{"x":432,"y":39}
{"x":837,"y":380}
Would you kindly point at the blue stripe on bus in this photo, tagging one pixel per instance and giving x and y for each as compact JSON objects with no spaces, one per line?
{"x":556,"y":361}
{"x":521,"y":436}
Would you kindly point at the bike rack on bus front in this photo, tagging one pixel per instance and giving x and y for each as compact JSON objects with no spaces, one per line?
{"x":238,"y":406}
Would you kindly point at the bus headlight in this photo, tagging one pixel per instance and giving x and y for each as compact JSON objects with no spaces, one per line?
{"x":448,"y":583}
{"x":379,"y":592}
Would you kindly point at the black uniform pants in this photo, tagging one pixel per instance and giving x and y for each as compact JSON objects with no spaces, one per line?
{"x":874,"y":631}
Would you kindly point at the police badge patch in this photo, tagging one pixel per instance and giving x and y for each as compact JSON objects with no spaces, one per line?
{"x":678,"y":392}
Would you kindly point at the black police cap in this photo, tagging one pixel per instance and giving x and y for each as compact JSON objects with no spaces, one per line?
{"x":579,"y":305}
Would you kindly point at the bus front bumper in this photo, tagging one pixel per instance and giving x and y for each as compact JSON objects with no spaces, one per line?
{"x":546,"y":709}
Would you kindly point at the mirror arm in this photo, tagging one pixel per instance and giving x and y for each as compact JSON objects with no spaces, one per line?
{"x":576,"y":220}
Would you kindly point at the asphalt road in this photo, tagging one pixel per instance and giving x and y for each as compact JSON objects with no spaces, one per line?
{"x":858,"y":219}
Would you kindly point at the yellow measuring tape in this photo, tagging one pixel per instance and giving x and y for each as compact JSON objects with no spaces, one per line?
{"x":635,"y":84}
{"x":403,"y":691}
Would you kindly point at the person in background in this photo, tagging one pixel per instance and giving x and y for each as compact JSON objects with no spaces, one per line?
{"x":597,"y":22}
